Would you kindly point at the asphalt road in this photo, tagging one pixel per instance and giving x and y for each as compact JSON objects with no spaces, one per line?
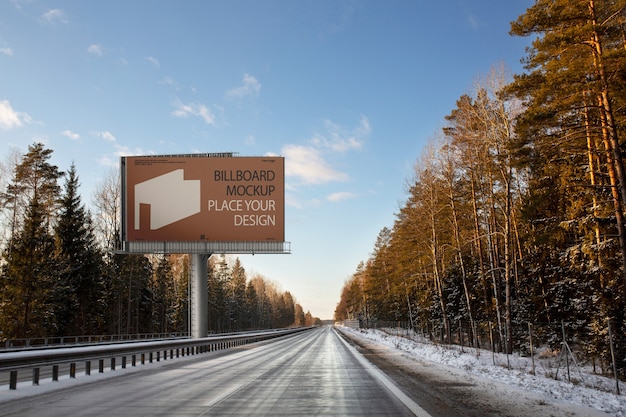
{"x":311,"y":374}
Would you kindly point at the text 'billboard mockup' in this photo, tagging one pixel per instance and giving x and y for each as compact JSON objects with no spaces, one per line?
{"x":198,"y":198}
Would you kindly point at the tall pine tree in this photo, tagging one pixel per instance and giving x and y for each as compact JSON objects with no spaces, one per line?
{"x":78,"y":296}
{"x":28,"y":271}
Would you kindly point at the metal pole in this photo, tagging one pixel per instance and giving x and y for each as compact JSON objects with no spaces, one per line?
{"x":565,"y":347}
{"x":532,"y":353}
{"x":613,"y":357}
{"x":200,"y":300}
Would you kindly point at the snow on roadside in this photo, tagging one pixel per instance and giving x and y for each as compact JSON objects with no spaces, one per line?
{"x":585,"y":389}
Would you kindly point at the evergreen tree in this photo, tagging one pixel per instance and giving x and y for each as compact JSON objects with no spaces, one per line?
{"x":129,"y":294}
{"x":28,"y":275}
{"x":163,"y":296}
{"x":252,"y":304}
{"x":34,"y":179}
{"x":218,"y":304}
{"x":28,"y":270}
{"x":571,"y":135}
{"x":78,"y":295}
{"x":237,"y":290}
{"x":572,"y":86}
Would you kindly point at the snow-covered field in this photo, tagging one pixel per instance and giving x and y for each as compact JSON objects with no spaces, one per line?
{"x":585,"y":388}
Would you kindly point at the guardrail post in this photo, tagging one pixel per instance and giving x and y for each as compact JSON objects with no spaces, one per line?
{"x":13,"y":380}
{"x":56,"y":359}
{"x":158,"y":359}
{"x":133,"y":360}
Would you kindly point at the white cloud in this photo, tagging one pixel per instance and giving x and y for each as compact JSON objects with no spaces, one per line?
{"x":473,"y":22}
{"x":106,"y":135}
{"x":307,"y":164}
{"x":95,"y":49}
{"x":250,"y":140}
{"x":194,"y":109}
{"x":340,"y":196}
{"x":153,"y":61}
{"x":9,"y":118}
{"x":70,"y":134}
{"x":54,"y":16}
{"x":170,"y":82}
{"x":250,"y":87}
{"x":112,"y":159}
{"x":6,"y":51}
{"x":339,"y":139}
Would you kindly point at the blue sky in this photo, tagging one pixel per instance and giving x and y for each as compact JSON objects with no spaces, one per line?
{"x":348,"y":91}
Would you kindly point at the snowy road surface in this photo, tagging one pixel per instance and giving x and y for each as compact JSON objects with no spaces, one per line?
{"x":314,"y":373}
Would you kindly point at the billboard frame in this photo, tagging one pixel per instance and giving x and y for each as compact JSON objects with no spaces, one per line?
{"x":192,"y":247}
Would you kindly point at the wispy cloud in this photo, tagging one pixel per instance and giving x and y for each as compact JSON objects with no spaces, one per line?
{"x":473,"y":22}
{"x":340,"y":139}
{"x":113,"y":159}
{"x":193,"y":109}
{"x":310,"y":164}
{"x":340,"y":196}
{"x":343,"y":19}
{"x":10,"y":118}
{"x":106,"y":135}
{"x":95,"y":49}
{"x":307,"y":165}
{"x":54,"y":16}
{"x":71,"y":135}
{"x":6,"y":51}
{"x":169,"y":82}
{"x":250,"y":140}
{"x":250,"y":87}
{"x":153,"y":61}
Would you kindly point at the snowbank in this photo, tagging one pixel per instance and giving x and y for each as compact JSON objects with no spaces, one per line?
{"x":585,"y":388}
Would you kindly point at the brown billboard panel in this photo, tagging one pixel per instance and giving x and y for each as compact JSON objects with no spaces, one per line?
{"x":189,"y":198}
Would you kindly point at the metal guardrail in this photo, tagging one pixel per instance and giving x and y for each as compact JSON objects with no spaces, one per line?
{"x":12,"y":362}
{"x":56,"y":341}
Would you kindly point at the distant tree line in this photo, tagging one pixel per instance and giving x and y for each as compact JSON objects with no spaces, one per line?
{"x":515,"y":213}
{"x":60,"y":275}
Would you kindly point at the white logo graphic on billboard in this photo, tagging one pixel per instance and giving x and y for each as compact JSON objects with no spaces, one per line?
{"x":171,"y":198}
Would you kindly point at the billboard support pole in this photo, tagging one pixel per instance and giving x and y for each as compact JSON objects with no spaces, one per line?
{"x":199,"y":295}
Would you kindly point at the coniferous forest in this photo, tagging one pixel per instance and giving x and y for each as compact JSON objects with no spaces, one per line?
{"x":514,"y":217}
{"x":60,"y":275}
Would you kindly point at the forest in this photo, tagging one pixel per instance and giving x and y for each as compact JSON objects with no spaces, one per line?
{"x":514,"y":215}
{"x":61,"y":276}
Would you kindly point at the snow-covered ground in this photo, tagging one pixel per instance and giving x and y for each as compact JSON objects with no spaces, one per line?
{"x":584,"y":389}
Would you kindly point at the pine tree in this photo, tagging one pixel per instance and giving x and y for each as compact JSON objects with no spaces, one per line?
{"x":572,"y":87}
{"x":571,"y":135}
{"x":28,"y":275}
{"x":78,"y":295}
{"x":163,"y":296}
{"x":237,"y":290}
{"x":28,"y":271}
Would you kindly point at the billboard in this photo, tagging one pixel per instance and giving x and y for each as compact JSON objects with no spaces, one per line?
{"x":203,"y":198}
